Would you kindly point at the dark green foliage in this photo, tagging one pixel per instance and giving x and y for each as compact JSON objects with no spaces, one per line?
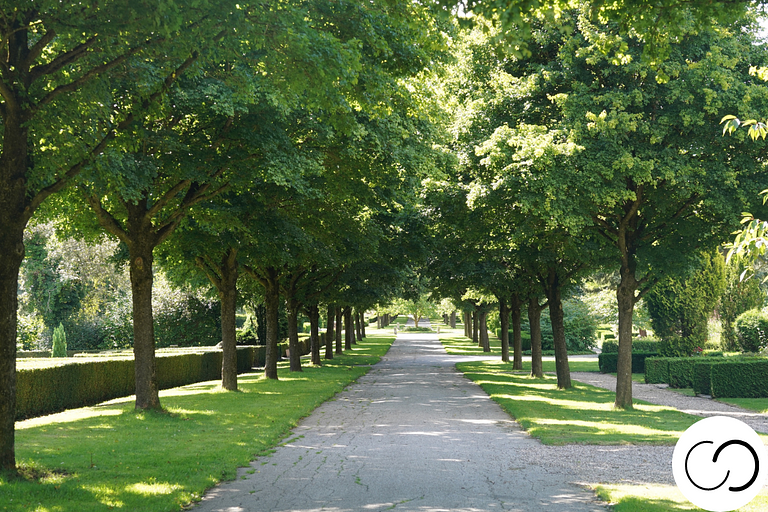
{"x":657,"y":370}
{"x":680,"y":306}
{"x":580,"y":327}
{"x":524,"y":335}
{"x":59,"y":342}
{"x":751,"y":330}
{"x":638,"y":345}
{"x":740,"y":379}
{"x":702,"y":371}
{"x":739,"y":296}
{"x":247,"y":335}
{"x":608,"y":361}
{"x":48,"y":390}
{"x":681,"y":371}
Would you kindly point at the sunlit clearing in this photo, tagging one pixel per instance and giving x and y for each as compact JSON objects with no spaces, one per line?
{"x":607,"y":428}
{"x":150,"y":489}
{"x":66,"y":416}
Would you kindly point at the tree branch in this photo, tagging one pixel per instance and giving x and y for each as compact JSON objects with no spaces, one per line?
{"x":106,"y":220}
{"x":206,"y":266}
{"x":38,"y":48}
{"x":62,"y":60}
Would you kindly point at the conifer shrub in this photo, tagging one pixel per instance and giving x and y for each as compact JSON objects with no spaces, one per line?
{"x":657,"y":370}
{"x":740,"y":379}
{"x":59,"y":342}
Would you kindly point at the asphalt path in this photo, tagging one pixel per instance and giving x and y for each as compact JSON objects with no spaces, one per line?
{"x":411,"y":435}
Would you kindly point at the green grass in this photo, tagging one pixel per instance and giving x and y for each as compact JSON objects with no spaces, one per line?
{"x":583,"y":414}
{"x":112,"y":457}
{"x":659,"y":498}
{"x":753,"y":404}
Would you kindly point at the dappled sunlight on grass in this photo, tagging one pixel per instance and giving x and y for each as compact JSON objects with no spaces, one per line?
{"x":582,"y":414}
{"x":110,"y":455}
{"x":659,"y":498}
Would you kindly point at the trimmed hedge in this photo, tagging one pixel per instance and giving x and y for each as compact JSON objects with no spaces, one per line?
{"x":638,"y":345}
{"x":740,"y":379}
{"x":657,"y":370}
{"x":41,"y":391}
{"x":608,"y":361}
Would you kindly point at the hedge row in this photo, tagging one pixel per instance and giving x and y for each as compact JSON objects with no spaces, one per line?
{"x":41,"y":391}
{"x":608,"y":361}
{"x":717,"y":376}
{"x":612,"y":345}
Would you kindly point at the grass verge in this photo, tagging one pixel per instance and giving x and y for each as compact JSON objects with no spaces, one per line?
{"x":659,"y":498}
{"x":753,"y":404}
{"x":583,"y":414}
{"x":112,"y":457}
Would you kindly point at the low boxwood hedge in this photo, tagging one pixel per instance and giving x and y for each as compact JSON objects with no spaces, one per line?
{"x":41,"y":391}
{"x":638,"y":345}
{"x":740,"y":379}
{"x":702,"y":372}
{"x":657,"y":370}
{"x":608,"y":361}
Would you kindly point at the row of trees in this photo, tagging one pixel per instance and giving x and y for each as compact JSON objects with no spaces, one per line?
{"x":280,"y":142}
{"x":584,"y":156}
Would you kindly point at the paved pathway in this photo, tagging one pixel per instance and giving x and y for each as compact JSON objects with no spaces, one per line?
{"x":412,"y":435}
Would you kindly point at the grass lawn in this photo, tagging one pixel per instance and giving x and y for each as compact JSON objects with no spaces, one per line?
{"x":660,"y":498}
{"x":112,"y":457}
{"x":583,"y":414}
{"x":753,"y":404}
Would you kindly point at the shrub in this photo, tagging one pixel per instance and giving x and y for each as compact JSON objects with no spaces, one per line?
{"x":702,"y":371}
{"x":42,"y":391}
{"x":681,"y":371}
{"x":740,"y":379}
{"x":638,"y":345}
{"x":657,"y":370}
{"x":580,"y":327}
{"x":739,"y":296}
{"x":59,"y":342}
{"x":611,"y":346}
{"x":679,"y":346}
{"x":752,"y":330}
{"x":608,"y":361}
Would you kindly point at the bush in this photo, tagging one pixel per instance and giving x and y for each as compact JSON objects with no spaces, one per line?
{"x":657,"y":370}
{"x":43,"y":391}
{"x":580,"y":327}
{"x":638,"y":345}
{"x":752,"y":330}
{"x":679,"y":346}
{"x":739,"y":296}
{"x":702,"y":371}
{"x":59,"y":342}
{"x":681,"y":371}
{"x":608,"y":361}
{"x":740,"y":379}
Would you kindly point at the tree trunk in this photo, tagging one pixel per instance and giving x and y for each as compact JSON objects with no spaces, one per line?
{"x":293,"y":334}
{"x":272,"y":305}
{"x":504,"y":320}
{"x":228,"y":296}
{"x":467,"y":319}
{"x":625,"y":295}
{"x":348,"y":328}
{"x":476,"y":328}
{"x":363,"y":323}
{"x":556,"y":316}
{"x":453,"y":320}
{"x":261,"y":323}
{"x":358,"y":325}
{"x":378,"y":320}
{"x":330,"y":336}
{"x":339,"y":328}
{"x":483,"y":325}
{"x":314,"y":334}
{"x":12,"y":242}
{"x":145,"y":367}
{"x":534,"y":320}
{"x":517,"y":334}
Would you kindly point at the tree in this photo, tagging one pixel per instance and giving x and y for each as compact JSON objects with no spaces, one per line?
{"x":56,"y":58}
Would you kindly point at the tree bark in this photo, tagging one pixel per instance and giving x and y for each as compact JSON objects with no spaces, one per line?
{"x":453,"y":320}
{"x":554,"y":288}
{"x":272,"y":305}
{"x":339,"y":328}
{"x":12,"y":242}
{"x":330,"y":335}
{"x":534,"y":320}
{"x":483,"y":326}
{"x":358,"y":324}
{"x":145,"y":367}
{"x":467,"y":319}
{"x":504,"y":320}
{"x":314,"y":334}
{"x":228,"y":296}
{"x":476,"y":327}
{"x":348,"y":328}
{"x":293,"y":334}
{"x":625,"y":295}
{"x":363,"y":323}
{"x":517,"y":333}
